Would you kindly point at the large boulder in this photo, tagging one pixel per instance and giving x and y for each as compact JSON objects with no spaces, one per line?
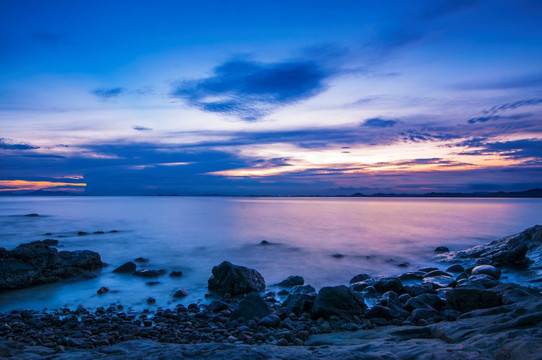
{"x":252,"y":306}
{"x":232,"y":280}
{"x":38,"y":263}
{"x":340,"y":301}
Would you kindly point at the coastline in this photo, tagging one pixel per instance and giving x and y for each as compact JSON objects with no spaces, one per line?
{"x":414,"y":316}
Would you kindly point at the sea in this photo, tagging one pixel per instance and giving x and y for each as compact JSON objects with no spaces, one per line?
{"x":325,"y":240}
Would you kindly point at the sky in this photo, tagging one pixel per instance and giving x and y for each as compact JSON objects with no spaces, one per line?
{"x":270,"y":98}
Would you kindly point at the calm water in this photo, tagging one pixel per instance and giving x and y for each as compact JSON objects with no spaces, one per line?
{"x":194,"y":233}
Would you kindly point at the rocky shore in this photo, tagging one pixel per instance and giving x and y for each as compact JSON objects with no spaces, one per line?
{"x":463,"y":310}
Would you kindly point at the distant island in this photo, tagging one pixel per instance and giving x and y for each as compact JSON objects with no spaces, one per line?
{"x":532,"y":193}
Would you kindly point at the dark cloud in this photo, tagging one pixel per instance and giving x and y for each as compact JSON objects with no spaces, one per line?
{"x":429,"y":134}
{"x":513,"y":105}
{"x":108,"y":93}
{"x":516,"y":149}
{"x":380,"y":123}
{"x":483,"y":119}
{"x":250,"y":90}
{"x":9,"y":144}
{"x":141,"y":128}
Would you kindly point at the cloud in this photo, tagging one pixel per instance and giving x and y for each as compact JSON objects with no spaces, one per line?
{"x":9,"y":144}
{"x":141,"y":128}
{"x":379,"y":123}
{"x":251,"y":90}
{"x":516,"y":82}
{"x":513,"y":105}
{"x":108,"y":93}
{"x":483,"y":119}
{"x":515,"y":149}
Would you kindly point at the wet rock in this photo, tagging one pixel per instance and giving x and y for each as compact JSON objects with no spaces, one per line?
{"x":300,"y":302}
{"x":436,"y":273}
{"x":292,"y":281}
{"x":82,"y":233}
{"x":466,"y":299}
{"x":339,"y":301}
{"x":232,"y":280}
{"x":425,"y":301}
{"x":252,"y":306}
{"x":127,"y":268}
{"x":181,"y":293}
{"x":32,"y":215}
{"x":144,"y":273}
{"x":99,"y":232}
{"x":37,"y":263}
{"x":411,"y":275}
{"x":176,"y":274}
{"x":151,"y":301}
{"x":271,"y":320}
{"x":441,"y":249}
{"x":217,"y":306}
{"x":456,"y":269}
{"x":359,"y":278}
{"x":440,"y":281}
{"x":487,"y":270}
{"x":337,"y":256}
{"x":152,"y":283}
{"x":140,"y":259}
{"x":485,"y":280}
{"x":379,"y":311}
{"x":103,"y":290}
{"x":283,"y":292}
{"x":388,"y":284}
{"x":428,"y":315}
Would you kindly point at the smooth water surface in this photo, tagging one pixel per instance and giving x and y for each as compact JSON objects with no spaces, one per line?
{"x":192,"y":234}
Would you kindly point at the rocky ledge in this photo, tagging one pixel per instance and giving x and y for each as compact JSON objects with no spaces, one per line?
{"x":460,"y":312}
{"x":39,"y":262}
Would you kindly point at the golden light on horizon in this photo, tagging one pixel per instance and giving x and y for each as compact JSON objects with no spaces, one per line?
{"x":17,"y":185}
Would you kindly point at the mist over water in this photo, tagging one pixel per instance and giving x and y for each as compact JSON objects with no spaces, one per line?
{"x":193,"y":234}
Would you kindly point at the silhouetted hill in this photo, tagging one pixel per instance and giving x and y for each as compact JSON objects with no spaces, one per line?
{"x":533,"y":193}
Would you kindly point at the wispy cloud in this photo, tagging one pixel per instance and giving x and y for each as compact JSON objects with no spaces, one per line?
{"x":141,"y":128}
{"x":10,"y":144}
{"x":483,"y":119}
{"x":251,"y":90}
{"x":513,"y":105}
{"x":108,"y":93}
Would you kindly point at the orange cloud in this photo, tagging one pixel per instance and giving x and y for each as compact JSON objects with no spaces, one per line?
{"x":16,"y":185}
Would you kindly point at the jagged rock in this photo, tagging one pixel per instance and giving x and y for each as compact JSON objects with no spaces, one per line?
{"x":252,"y":306}
{"x":232,"y":280}
{"x":37,"y":263}
{"x":127,"y":268}
{"x":291,"y":281}
{"x":339,"y":301}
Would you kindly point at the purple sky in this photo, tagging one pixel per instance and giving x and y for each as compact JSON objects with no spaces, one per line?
{"x":281,"y":97}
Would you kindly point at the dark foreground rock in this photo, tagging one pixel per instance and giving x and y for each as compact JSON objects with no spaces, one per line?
{"x":339,"y":301}
{"x":38,"y":263}
{"x":232,"y":280}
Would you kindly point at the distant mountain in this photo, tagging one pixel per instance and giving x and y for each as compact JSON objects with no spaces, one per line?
{"x":533,"y":193}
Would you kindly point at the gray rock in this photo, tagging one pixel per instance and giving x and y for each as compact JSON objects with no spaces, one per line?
{"x":339,"y":301}
{"x":487,"y":270}
{"x":128,"y":268}
{"x":252,"y":306}
{"x":291,"y":281}
{"x":232,"y":280}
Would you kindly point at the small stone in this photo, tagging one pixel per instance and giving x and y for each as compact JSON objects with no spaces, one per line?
{"x":149,"y":273}
{"x":181,"y":293}
{"x":141,"y":259}
{"x":337,"y":256}
{"x":153,"y":283}
{"x":487,"y":270}
{"x":176,"y":274}
{"x":282,"y":342}
{"x":128,"y":268}
{"x":151,"y":300}
{"x":82,"y":233}
{"x":456,"y":269}
{"x":265,"y":243}
{"x":359,"y":277}
{"x":103,"y":290}
{"x":291,"y":281}
{"x":442,"y":249}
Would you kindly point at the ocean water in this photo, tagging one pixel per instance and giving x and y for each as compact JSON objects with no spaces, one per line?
{"x":192,"y":234}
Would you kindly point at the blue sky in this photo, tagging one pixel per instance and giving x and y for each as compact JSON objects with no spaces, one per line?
{"x":282,"y":97}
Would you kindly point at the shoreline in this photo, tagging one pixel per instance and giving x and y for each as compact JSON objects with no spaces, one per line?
{"x":428,"y":307}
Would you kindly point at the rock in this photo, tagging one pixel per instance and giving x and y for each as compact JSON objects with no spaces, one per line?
{"x":50,"y":242}
{"x":416,"y":290}
{"x":99,"y":232}
{"x":82,"y":233}
{"x":337,"y":256}
{"x":436,"y":273}
{"x":31,"y":215}
{"x":176,"y":274}
{"x":424,"y":314}
{"x":149,"y":273}
{"x":271,"y":320}
{"x":37,"y":263}
{"x":379,"y":311}
{"x":411,"y":275}
{"x":487,"y":270}
{"x":181,"y":293}
{"x":300,"y":302}
{"x":442,"y":249}
{"x":127,"y":268}
{"x":440,"y":281}
{"x":486,"y":280}
{"x":388,"y":284}
{"x":217,"y":306}
{"x":232,"y":280}
{"x":252,"y":306}
{"x":425,"y":301}
{"x":265,"y":243}
{"x":292,"y":281}
{"x":152,"y":283}
{"x":103,"y":290}
{"x":140,"y":259}
{"x":151,"y":301}
{"x":456,"y":269}
{"x":339,"y":301}
{"x":465,"y":299}
{"x":359,"y":278}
